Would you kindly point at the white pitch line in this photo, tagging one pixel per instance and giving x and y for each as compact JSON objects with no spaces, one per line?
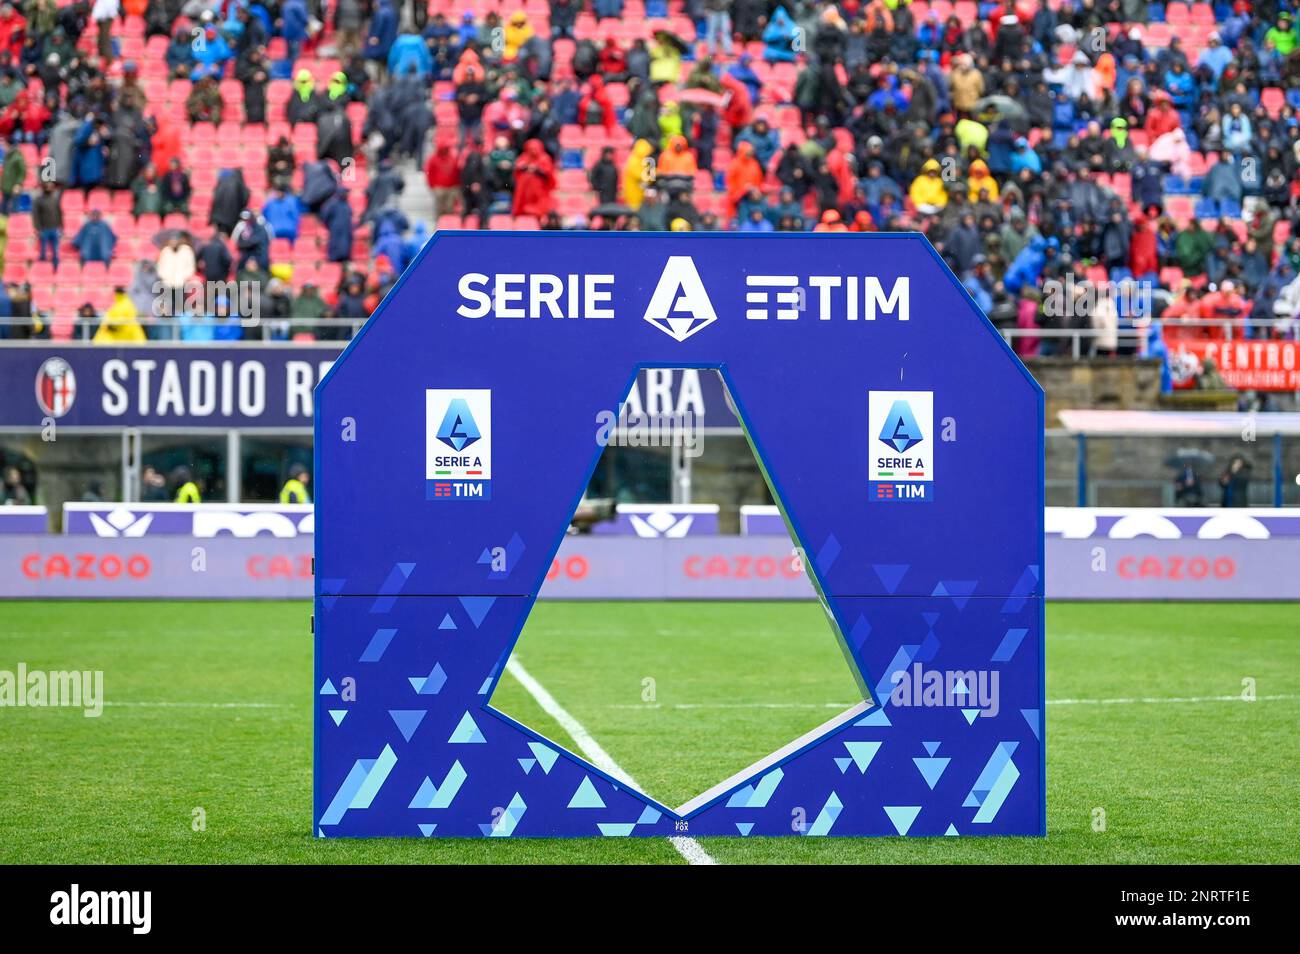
{"x":688,"y":848}
{"x":1127,"y":700}
{"x":200,"y":705}
{"x":1142,"y":700}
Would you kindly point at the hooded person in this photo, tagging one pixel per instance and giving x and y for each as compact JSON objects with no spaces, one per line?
{"x":743,"y":174}
{"x":229,"y":197}
{"x":336,"y":216}
{"x":677,"y":159}
{"x":303,"y":104}
{"x":517,"y":32}
{"x":319,"y":183}
{"x":638,"y":172}
{"x":831,"y":221}
{"x":981,"y":180}
{"x":534,"y":181}
{"x":928,"y":192}
{"x":409,"y":55}
{"x":120,"y":324}
{"x":779,"y":37}
{"x":670,"y":123}
{"x":383,"y":32}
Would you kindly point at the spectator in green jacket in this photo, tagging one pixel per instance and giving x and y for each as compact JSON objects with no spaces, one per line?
{"x":1192,"y":248}
{"x":1283,"y":35}
{"x":12,"y":175}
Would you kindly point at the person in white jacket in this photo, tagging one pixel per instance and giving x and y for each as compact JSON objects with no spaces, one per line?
{"x":104,"y":12}
{"x":175,"y":267}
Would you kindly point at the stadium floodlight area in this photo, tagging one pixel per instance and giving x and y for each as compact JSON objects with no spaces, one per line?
{"x":901,"y":438}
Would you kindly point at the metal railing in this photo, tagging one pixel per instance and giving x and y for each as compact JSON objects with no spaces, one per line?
{"x":268,"y":330}
{"x":1130,"y":337}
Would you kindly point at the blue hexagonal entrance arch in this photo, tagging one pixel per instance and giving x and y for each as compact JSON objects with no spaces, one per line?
{"x":455,"y":436}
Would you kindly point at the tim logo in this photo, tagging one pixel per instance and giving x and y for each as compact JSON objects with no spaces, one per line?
{"x":458,"y":444}
{"x":56,"y":387}
{"x":680,"y":306}
{"x":901,"y":434}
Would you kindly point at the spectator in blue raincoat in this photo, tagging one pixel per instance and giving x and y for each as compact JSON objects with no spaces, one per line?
{"x":388,"y":242}
{"x":1023,"y":157}
{"x":1215,"y":57}
{"x":283,"y":212}
{"x":744,"y":71}
{"x":89,"y":153}
{"x":410,"y":54}
{"x":293,"y":26}
{"x":1181,"y":86}
{"x":336,"y":215}
{"x":95,"y":240}
{"x":765,"y":140}
{"x":383,"y":32}
{"x":211,"y":56}
{"x":887,"y":93}
{"x":778,"y":38}
{"x":1027,"y":267}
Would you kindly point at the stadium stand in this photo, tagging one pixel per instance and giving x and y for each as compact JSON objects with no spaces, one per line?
{"x":307,"y":150}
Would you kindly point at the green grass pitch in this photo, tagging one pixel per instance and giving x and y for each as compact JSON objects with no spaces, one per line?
{"x":210,"y":707}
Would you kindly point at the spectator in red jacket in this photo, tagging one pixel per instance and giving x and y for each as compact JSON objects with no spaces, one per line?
{"x":534,"y":181}
{"x":442,"y":172}
{"x":1143,"y":257}
{"x":1163,"y":117}
{"x":595,"y":104}
{"x":613,"y":61}
{"x":12,"y":29}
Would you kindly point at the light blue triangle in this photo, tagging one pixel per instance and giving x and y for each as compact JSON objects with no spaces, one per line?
{"x":417,"y":682}
{"x":527,"y":765}
{"x":902,"y":816}
{"x":586,"y":796}
{"x":931,"y":747}
{"x":649,"y":815}
{"x":616,"y":829}
{"x":876,"y":717}
{"x":862,"y":753}
{"x":338,"y":715}
{"x":952,"y":830}
{"x":545,"y":756}
{"x":408,"y":720}
{"x":432,"y":684}
{"x":971,"y":715}
{"x":744,"y":827}
{"x":447,"y":622}
{"x":931,"y":769}
{"x":960,"y":688}
{"x":467,"y":731}
{"x":1031,"y":716}
{"x":426,"y":829}
{"x":972,"y":801}
{"x":890,"y":574}
{"x":328,"y":689}
{"x":477,"y":607}
{"x":843,"y":764}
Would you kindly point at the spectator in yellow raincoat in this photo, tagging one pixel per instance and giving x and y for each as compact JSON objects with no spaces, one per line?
{"x":980,"y":178}
{"x":517,"y":32}
{"x":928,"y":192}
{"x":638,"y":173}
{"x":120,"y":325}
{"x":665,"y":62}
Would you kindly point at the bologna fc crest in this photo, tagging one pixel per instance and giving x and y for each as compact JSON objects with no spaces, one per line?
{"x":56,"y":387}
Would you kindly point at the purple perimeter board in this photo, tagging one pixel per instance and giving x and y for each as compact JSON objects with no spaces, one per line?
{"x":456,"y":434}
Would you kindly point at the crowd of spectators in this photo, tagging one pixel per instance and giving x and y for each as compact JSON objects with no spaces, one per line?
{"x":1084,"y":145}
